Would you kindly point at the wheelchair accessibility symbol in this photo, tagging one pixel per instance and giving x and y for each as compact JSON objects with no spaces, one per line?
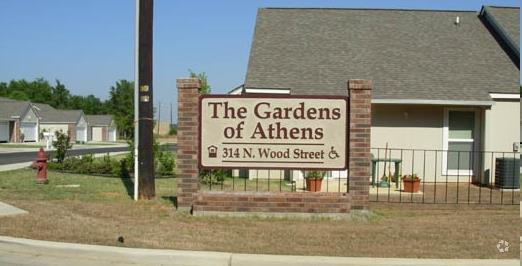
{"x":333,"y":153}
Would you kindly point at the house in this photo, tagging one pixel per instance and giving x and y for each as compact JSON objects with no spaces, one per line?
{"x":71,"y":122}
{"x":101,"y":128}
{"x":18,"y":121}
{"x":443,"y":80}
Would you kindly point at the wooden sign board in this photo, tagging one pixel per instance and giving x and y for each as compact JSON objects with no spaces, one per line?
{"x":275,"y":132}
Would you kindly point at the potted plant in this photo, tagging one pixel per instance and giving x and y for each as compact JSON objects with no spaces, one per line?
{"x":314,"y":180}
{"x":384,"y":181}
{"x":411,"y":183}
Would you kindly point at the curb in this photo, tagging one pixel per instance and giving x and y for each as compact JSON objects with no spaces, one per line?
{"x":49,"y":253}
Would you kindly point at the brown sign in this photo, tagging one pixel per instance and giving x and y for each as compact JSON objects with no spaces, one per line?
{"x":296,"y":132}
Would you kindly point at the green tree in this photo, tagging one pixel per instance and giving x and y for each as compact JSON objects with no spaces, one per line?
{"x":18,"y":95}
{"x":39,"y":90}
{"x":121,"y":106}
{"x":3,"y":89}
{"x":205,"y":87}
{"x":60,"y":96}
{"x":90,"y":104}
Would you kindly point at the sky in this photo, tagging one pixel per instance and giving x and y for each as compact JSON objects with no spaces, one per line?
{"x":89,"y":44}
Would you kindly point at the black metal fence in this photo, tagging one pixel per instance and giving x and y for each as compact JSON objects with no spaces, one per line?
{"x":445,"y":176}
{"x":397,"y":176}
{"x":270,"y":180}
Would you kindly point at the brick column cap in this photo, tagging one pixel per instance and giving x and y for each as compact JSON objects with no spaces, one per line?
{"x":188,"y":83}
{"x":360,"y":84}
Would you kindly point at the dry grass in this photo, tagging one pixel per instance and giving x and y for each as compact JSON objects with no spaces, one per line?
{"x":101,"y":210}
{"x":461,"y":193}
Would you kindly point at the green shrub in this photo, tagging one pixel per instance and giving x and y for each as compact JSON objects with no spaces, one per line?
{"x":103,"y":166}
{"x":116,"y":168}
{"x":54,"y":165}
{"x":214,"y":176}
{"x":62,"y":145}
{"x":318,"y":175}
{"x":166,"y":163}
{"x":173,"y":130}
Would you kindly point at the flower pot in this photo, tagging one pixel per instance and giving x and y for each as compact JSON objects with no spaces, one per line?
{"x":384,"y":184}
{"x":411,"y":185}
{"x":313,"y":185}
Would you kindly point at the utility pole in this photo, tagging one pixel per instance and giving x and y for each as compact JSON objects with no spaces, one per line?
{"x":170,"y":125}
{"x":136,"y":96}
{"x":146,"y":183}
{"x":159,"y":119}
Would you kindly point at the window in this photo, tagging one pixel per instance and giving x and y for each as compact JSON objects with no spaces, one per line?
{"x":460,"y":141}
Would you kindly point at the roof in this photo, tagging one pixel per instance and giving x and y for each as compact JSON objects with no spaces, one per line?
{"x":409,"y":54}
{"x":99,"y":120}
{"x":10,"y":110}
{"x":48,"y":114}
{"x":43,"y":108}
{"x":508,"y":18}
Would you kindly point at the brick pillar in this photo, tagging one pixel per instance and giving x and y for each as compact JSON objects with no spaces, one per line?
{"x":360,"y":92}
{"x":187,"y":178}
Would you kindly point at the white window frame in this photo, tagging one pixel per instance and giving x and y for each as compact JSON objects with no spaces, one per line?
{"x":446,"y":140}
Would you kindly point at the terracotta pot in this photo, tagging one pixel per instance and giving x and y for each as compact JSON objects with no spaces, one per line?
{"x":411,"y":185}
{"x":313,"y":185}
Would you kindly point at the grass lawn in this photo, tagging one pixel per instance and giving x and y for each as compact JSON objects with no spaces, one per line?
{"x":100,"y":210}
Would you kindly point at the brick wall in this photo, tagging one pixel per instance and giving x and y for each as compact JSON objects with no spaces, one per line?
{"x":360,"y":92}
{"x":284,"y":202}
{"x":187,"y":147}
{"x":71,"y":131}
{"x":105,"y":134}
{"x":189,"y":196}
{"x":15,"y":131}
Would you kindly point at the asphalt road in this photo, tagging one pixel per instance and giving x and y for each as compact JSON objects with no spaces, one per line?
{"x":28,"y":156}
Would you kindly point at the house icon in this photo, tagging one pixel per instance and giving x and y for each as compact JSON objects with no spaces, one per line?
{"x":212,"y":151}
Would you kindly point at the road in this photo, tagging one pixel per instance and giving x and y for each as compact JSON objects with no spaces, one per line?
{"x":28,"y":156}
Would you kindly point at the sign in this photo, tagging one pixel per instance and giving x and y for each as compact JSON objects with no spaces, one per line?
{"x":257,"y":131}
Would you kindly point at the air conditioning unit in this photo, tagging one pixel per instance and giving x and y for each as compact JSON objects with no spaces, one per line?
{"x":507,"y":173}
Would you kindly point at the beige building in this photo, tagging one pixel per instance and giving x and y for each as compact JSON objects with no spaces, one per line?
{"x":18,"y":121}
{"x":71,"y":122}
{"x":446,"y":97}
{"x":101,"y":128}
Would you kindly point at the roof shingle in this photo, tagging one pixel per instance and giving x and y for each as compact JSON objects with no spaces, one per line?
{"x":409,"y":54}
{"x":48,"y":114}
{"x":99,"y":120}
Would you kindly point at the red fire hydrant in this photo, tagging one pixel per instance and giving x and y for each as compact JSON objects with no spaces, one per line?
{"x":41,"y":167}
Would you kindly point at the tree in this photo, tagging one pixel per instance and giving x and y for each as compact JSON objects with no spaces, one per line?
{"x":60,"y":96}
{"x":3,"y":89}
{"x":121,"y":106}
{"x":18,"y":95}
{"x":39,"y":90}
{"x":90,"y":105}
{"x":205,"y":87}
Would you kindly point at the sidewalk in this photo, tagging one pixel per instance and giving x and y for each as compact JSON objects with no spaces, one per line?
{"x":8,"y":210}
{"x":21,"y":251}
{"x":5,"y":148}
